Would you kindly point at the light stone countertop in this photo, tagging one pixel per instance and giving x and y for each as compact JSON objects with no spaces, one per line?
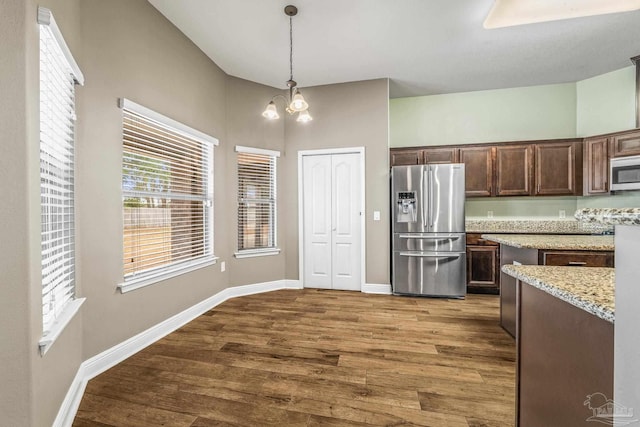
{"x":610,"y":216}
{"x":533,"y":226}
{"x":588,"y":288}
{"x":553,"y":241}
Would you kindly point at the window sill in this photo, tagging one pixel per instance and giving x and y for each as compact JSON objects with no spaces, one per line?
{"x":256,"y":253}
{"x":61,"y":322}
{"x":133,"y":284}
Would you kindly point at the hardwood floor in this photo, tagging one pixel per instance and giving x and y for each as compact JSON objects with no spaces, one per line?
{"x":318,"y":357}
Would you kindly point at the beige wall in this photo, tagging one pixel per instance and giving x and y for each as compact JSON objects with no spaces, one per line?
{"x":246,"y":126}
{"x":125,"y":48}
{"x":130,"y":50}
{"x":34,"y":385}
{"x":15,"y":339}
{"x":345,"y":115}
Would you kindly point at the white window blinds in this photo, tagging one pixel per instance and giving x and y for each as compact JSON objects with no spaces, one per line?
{"x":167,"y":186}
{"x":256,"y":199}
{"x":58,"y":75}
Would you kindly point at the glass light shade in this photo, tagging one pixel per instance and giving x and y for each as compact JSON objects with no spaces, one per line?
{"x":304,"y":116}
{"x":271,"y":112}
{"x":298,"y":103}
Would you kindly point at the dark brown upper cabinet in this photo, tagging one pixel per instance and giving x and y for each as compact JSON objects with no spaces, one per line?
{"x":408,"y":156}
{"x":596,"y":165}
{"x":558,"y":169}
{"x":478,"y":163}
{"x":626,"y":144}
{"x":441,"y":155}
{"x":420,"y":156}
{"x":514,"y":166}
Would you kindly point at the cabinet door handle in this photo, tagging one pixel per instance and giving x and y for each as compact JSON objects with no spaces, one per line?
{"x":577,"y":263}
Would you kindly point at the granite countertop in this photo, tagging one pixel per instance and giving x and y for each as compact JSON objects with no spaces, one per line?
{"x":533,"y":226}
{"x":611,"y":216}
{"x":588,"y":288}
{"x":559,"y":242}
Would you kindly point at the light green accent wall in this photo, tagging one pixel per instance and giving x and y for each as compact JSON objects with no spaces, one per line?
{"x":536,"y":112}
{"x":520,"y":206}
{"x":606,"y":103}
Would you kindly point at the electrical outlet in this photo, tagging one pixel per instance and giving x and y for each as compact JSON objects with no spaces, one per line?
{"x":562,"y":213}
{"x":376,"y":215}
{"x":489,"y":214}
{"x":223,"y":266}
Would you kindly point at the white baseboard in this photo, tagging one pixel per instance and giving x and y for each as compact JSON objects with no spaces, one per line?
{"x":293,"y":284}
{"x":99,"y":363}
{"x":374,"y":288}
{"x":71,"y":402}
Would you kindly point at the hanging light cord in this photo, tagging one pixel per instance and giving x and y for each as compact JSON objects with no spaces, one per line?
{"x":290,"y":48}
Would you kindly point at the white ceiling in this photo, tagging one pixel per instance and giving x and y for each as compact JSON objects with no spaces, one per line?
{"x":424,"y":46}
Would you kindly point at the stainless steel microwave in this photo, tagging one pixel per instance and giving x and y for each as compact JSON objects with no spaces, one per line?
{"x":625,"y":173}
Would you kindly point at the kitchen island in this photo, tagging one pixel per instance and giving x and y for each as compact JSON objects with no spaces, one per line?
{"x":627,"y":339}
{"x":547,"y":249}
{"x":564,"y":341}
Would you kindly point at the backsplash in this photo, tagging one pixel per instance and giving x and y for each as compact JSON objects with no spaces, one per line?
{"x":546,"y":207}
{"x":622,"y":199}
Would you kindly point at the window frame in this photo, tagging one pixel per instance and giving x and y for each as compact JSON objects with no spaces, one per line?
{"x":164,"y":272}
{"x":62,"y":314}
{"x":265,"y":251}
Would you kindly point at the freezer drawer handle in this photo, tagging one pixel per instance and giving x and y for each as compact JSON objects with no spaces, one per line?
{"x":421,"y":255}
{"x":411,"y":236}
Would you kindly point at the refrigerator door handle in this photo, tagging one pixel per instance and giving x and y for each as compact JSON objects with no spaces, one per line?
{"x":423,"y":255}
{"x":425,"y":189}
{"x":430,"y":198}
{"x":413,"y":236}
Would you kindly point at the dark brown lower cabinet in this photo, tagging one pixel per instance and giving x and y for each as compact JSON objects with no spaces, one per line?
{"x":483,"y":266}
{"x":529,"y":256}
{"x":564,"y":356}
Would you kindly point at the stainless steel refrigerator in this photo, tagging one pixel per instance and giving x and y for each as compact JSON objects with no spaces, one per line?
{"x":429,"y":241}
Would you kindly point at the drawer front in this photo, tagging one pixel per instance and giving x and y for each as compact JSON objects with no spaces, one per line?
{"x":436,"y":242}
{"x":429,"y":273}
{"x":475,"y":239}
{"x":577,"y":259}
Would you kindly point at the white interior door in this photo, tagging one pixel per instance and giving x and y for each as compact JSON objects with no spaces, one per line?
{"x":332,"y":195}
{"x":317,"y":221}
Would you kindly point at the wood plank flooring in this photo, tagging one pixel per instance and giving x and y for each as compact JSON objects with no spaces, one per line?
{"x":318,"y":358}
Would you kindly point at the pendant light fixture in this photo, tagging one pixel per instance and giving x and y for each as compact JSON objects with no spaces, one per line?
{"x":296,"y":102}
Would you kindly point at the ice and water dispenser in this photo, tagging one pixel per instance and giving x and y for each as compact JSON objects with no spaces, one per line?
{"x":406,"y":206}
